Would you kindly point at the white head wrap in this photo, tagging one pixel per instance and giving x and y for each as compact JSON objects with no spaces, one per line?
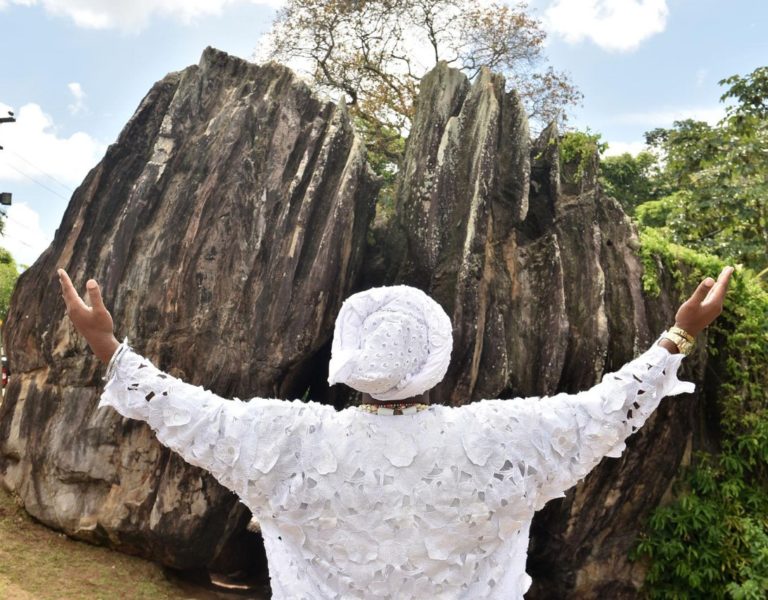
{"x":390,"y":342}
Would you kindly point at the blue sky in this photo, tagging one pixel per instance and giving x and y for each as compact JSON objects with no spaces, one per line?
{"x":75,"y":70}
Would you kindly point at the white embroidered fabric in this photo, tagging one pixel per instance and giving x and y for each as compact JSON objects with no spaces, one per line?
{"x":436,"y":504}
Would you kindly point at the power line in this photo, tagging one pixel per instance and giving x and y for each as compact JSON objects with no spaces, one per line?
{"x":38,"y":182}
{"x":20,"y":225}
{"x":11,"y":119}
{"x":20,"y":241}
{"x":34,"y":166}
{"x":6,"y":235}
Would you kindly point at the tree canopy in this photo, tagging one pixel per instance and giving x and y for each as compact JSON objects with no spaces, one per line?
{"x":630,"y":178}
{"x":706,"y":185}
{"x":376,"y":51}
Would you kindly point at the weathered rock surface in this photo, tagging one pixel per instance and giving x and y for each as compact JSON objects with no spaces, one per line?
{"x":228,"y":223}
{"x":226,"y":226}
{"x":539,"y":274}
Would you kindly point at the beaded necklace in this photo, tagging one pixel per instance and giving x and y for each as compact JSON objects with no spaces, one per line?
{"x":393,"y":408}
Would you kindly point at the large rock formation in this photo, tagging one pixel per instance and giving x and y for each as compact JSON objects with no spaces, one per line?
{"x":227,"y":224}
{"x":539,"y":274}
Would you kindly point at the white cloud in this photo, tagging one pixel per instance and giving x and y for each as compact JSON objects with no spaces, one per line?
{"x":618,"y":148}
{"x":23,"y":237}
{"x":35,"y":152}
{"x":78,"y":105}
{"x":665,"y":117}
{"x":619,"y":25}
{"x":6,"y":3}
{"x":132,"y":15}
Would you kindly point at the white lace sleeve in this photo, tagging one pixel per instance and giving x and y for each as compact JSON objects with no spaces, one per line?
{"x":545,"y":446}
{"x":241,"y":443}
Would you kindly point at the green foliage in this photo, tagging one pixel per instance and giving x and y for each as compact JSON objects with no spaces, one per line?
{"x":383,"y":143}
{"x":686,"y":148}
{"x":9,"y":273}
{"x":658,"y":213}
{"x":750,"y":93}
{"x":578,"y":154}
{"x":706,"y":186}
{"x":717,"y":176}
{"x":711,"y":188}
{"x":630,"y":179}
{"x":721,"y":179}
{"x":712,"y":541}
{"x":700,"y":197}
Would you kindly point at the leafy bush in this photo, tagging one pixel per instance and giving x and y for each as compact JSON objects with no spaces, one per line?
{"x":578,"y":153}
{"x":712,"y":541}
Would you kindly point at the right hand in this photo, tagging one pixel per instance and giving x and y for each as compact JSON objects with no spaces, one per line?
{"x":93,"y":322}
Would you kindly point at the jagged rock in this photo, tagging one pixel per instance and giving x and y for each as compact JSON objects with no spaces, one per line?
{"x":543,"y":286}
{"x":226,"y":226}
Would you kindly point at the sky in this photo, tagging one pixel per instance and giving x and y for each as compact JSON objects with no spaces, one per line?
{"x":73,"y":72}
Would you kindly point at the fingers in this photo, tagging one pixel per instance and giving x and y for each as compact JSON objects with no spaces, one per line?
{"x":94,"y":294}
{"x":703,"y":290}
{"x":717,"y":293}
{"x":71,"y":298}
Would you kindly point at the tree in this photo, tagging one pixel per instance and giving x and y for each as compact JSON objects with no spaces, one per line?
{"x":685,"y":149}
{"x":9,"y":273}
{"x":632,"y":180}
{"x":376,"y":51}
{"x":714,"y":181}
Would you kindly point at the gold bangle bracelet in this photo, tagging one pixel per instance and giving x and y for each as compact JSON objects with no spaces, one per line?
{"x":683,"y":345}
{"x":682,"y":333}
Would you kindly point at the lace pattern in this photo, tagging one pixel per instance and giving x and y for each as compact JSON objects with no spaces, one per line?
{"x":437,"y":504}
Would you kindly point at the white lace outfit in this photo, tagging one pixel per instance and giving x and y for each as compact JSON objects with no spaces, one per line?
{"x":436,"y":504}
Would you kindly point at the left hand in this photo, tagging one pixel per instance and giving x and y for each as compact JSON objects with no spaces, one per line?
{"x":705,"y":305}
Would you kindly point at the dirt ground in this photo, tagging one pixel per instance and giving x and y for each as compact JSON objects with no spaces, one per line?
{"x":37,"y":563}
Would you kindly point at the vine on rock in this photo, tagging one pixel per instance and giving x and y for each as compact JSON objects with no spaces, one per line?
{"x":712,"y":541}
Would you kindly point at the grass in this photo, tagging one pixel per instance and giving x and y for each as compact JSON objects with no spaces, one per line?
{"x":37,"y":563}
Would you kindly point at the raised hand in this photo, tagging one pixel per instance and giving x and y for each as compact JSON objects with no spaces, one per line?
{"x":93,"y":322}
{"x":705,"y":304}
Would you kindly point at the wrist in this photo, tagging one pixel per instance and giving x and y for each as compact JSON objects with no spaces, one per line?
{"x":688,"y":327}
{"x":105,"y":348}
{"x":669,"y":346}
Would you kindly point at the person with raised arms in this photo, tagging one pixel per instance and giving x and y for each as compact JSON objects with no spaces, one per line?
{"x":395,"y":498}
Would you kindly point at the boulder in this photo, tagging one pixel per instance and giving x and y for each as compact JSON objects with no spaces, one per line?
{"x":226,"y":225}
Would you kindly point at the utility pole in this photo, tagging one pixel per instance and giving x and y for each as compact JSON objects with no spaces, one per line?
{"x":5,"y":197}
